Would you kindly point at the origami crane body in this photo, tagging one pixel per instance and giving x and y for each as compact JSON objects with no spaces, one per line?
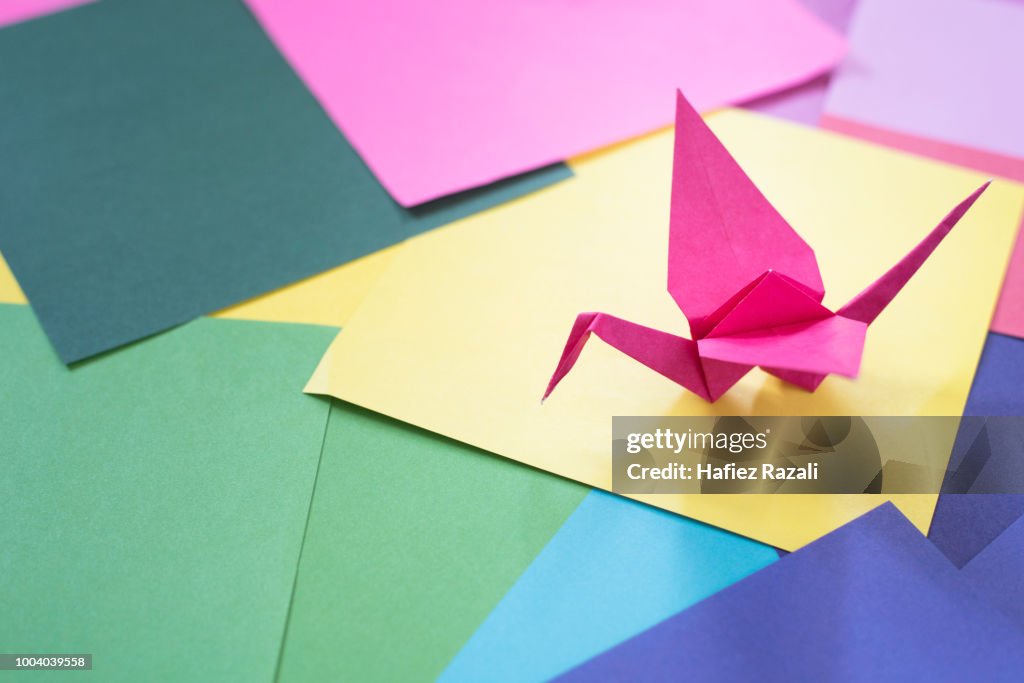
{"x":753,"y":297}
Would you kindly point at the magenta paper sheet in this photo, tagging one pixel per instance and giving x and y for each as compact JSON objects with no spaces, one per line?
{"x":443,"y":96}
{"x":13,"y":11}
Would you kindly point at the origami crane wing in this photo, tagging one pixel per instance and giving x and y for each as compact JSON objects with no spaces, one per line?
{"x":811,"y":342}
{"x":867,"y":305}
{"x":723,"y":233}
{"x":827,"y":346}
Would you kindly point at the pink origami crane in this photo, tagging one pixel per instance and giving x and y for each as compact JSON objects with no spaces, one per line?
{"x":746,"y":282}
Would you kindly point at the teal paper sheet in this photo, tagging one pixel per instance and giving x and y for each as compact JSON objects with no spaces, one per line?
{"x":159,"y":160}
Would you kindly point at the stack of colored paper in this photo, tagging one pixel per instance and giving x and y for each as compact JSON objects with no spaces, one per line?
{"x":283,"y":284}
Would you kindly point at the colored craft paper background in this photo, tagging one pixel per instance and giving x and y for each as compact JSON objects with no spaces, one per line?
{"x":904,"y":86}
{"x":996,"y":388}
{"x":1009,"y":316}
{"x":992,"y":163}
{"x":615,"y":568}
{"x":902,"y":73}
{"x":465,"y":93}
{"x":10,"y":292}
{"x":871,"y":601}
{"x":804,"y":103}
{"x":412,"y":540}
{"x":998,"y":572}
{"x":964,"y":524}
{"x":472,"y":362}
{"x":561,"y":603}
{"x":329,"y":298}
{"x":14,"y":11}
{"x":988,"y":457}
{"x":182,"y":168}
{"x":154,"y":500}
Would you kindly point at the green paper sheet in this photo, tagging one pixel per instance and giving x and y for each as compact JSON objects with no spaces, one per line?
{"x":412,"y":540}
{"x":153,"y":501}
{"x":159,"y":160}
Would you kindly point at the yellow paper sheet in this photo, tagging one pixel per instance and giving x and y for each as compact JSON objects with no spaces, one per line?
{"x":329,"y":298}
{"x":462,"y":332}
{"x":10,"y":292}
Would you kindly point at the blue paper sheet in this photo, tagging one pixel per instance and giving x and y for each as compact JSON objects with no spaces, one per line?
{"x":615,"y":568}
{"x":873,"y":600}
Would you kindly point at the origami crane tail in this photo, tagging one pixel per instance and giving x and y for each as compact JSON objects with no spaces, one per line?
{"x":674,"y":357}
{"x":867,"y":305}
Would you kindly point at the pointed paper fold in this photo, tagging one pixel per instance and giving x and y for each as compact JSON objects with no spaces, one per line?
{"x":672,"y":356}
{"x":776,"y":301}
{"x":747,"y":282}
{"x":723,"y":233}
{"x":867,"y":305}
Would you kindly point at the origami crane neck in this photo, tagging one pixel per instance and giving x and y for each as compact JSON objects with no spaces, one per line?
{"x":746,"y":282}
{"x":672,"y":356}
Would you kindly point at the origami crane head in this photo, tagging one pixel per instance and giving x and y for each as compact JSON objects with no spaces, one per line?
{"x":753,"y":298}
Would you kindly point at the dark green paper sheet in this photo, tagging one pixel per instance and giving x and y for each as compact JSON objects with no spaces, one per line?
{"x":412,"y":541}
{"x":159,"y":160}
{"x":153,"y":501}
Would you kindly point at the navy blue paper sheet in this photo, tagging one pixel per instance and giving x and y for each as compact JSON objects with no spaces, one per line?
{"x":873,"y":600}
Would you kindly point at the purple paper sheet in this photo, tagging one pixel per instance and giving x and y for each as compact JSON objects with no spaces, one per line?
{"x":873,"y":600}
{"x":945,"y":70}
{"x":997,"y":384}
{"x":964,"y":524}
{"x":998,"y":572}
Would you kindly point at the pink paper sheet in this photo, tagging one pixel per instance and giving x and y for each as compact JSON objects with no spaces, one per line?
{"x":1009,"y":317}
{"x":443,"y":96}
{"x":13,"y":11}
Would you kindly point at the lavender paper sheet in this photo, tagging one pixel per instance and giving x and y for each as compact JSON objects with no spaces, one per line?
{"x":805,"y":103}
